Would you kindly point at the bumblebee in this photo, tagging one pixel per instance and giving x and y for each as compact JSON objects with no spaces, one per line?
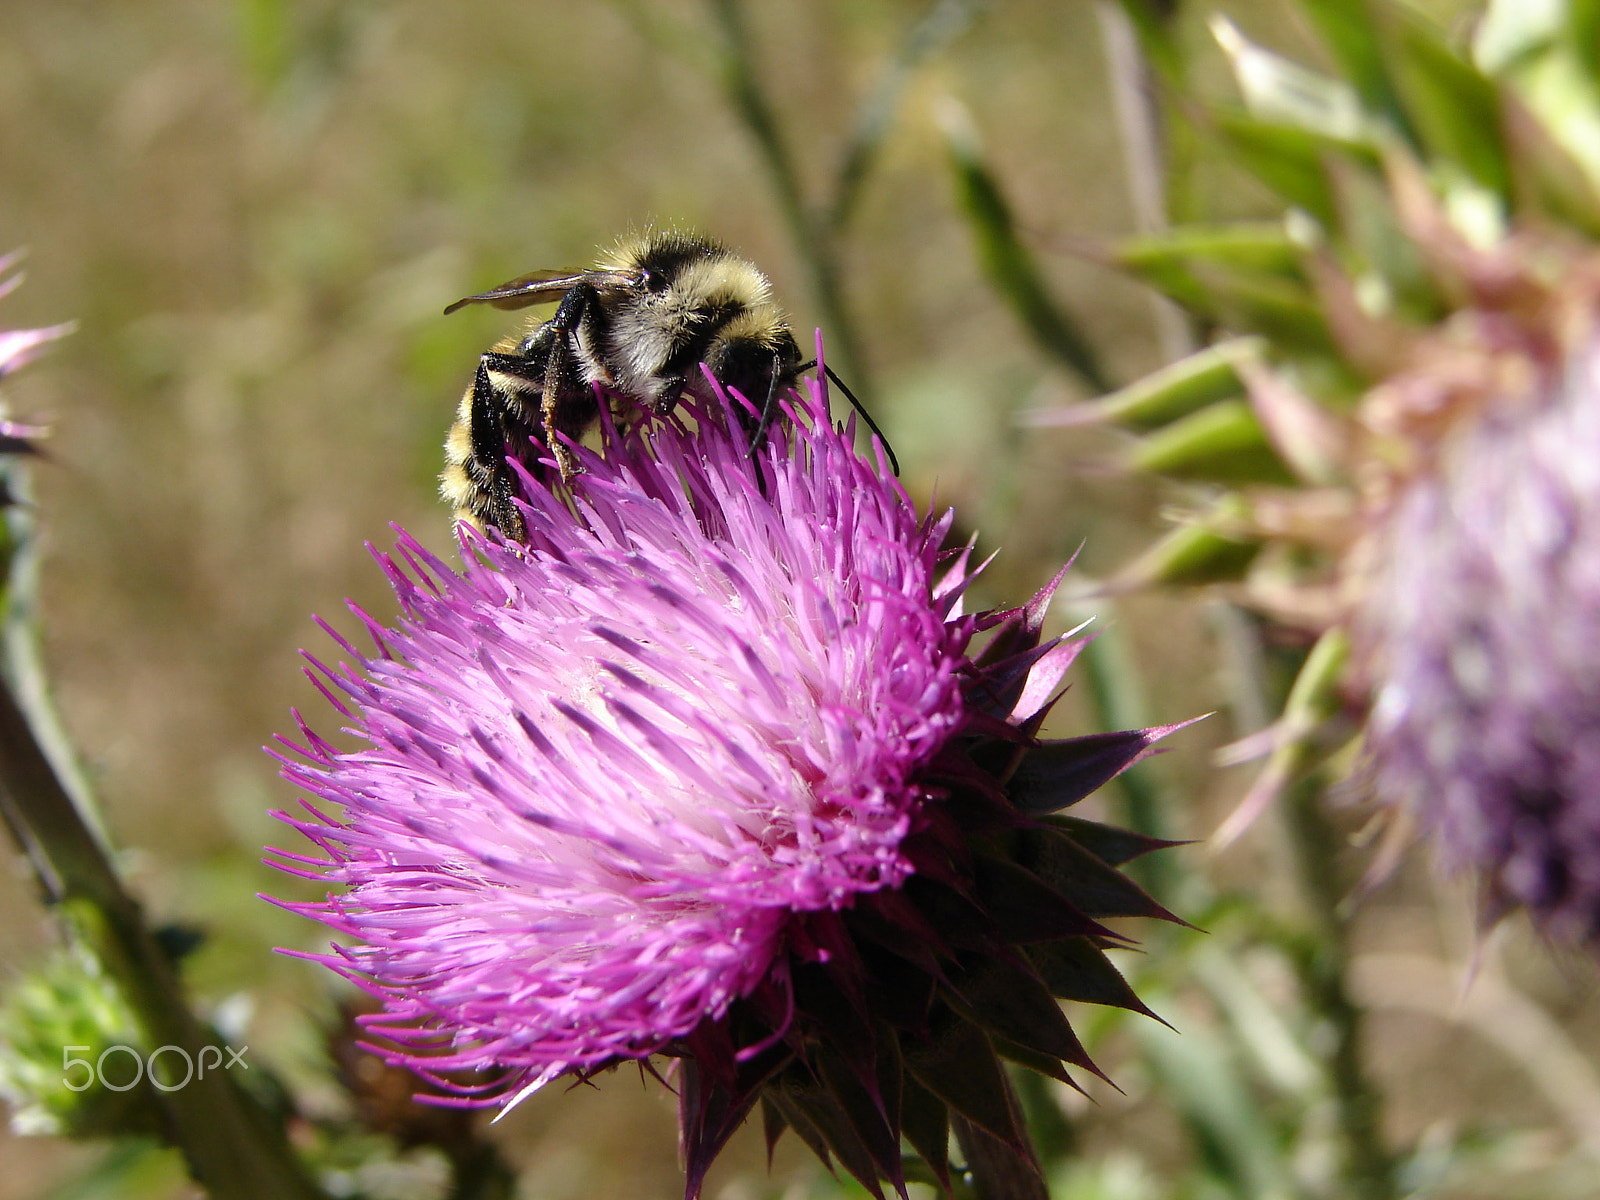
{"x":639,"y":323}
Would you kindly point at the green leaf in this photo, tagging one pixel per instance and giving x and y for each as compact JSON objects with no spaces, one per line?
{"x":1549,"y":77}
{"x":1284,"y":92}
{"x":1155,"y":26}
{"x":1290,"y":161}
{"x":1008,"y":263}
{"x":1227,"y":1121}
{"x":1512,"y":31}
{"x":1223,"y":442}
{"x":1191,"y":555}
{"x":1246,"y":277}
{"x":1583,"y":36}
{"x":1456,"y":109}
{"x":1177,"y":259}
{"x":1164,"y":395}
{"x":1351,"y":30}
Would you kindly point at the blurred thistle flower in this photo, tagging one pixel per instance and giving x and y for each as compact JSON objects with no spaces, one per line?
{"x":709,"y":768}
{"x":1403,"y":448}
{"x":18,"y":347}
{"x":1476,"y":591}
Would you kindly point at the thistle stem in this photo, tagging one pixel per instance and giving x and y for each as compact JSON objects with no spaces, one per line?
{"x":1323,"y":965}
{"x":231,"y":1145}
{"x":813,"y":237}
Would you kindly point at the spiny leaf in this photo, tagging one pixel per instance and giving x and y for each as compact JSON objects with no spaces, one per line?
{"x":959,"y":1066}
{"x":1194,"y":553}
{"x":1164,"y":395}
{"x":1086,"y":881}
{"x":1009,"y":1000}
{"x":1456,"y":109}
{"x":1277,"y":89}
{"x":795,"y":1118}
{"x":927,"y":1127}
{"x":1351,"y":29}
{"x":1290,"y":161}
{"x":1076,"y":969}
{"x":1109,"y":844}
{"x":866,"y":1095}
{"x":1057,"y":774}
{"x":808,"y":1102}
{"x":1026,"y":909}
{"x":708,"y":1114}
{"x":773,"y":1123}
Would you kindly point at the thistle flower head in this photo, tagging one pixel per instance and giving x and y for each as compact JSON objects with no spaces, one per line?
{"x":1477,"y":618}
{"x":706,"y":767}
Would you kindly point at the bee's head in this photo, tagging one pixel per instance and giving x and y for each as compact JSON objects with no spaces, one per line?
{"x":755,"y":355}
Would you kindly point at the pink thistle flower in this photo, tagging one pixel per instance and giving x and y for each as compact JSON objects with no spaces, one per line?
{"x":18,"y":347}
{"x":708,"y":768}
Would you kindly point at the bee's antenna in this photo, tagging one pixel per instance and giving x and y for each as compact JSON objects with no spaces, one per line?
{"x":894,"y":463}
{"x":768,"y":410}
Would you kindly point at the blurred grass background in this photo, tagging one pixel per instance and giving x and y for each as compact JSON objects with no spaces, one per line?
{"x":257,"y":209}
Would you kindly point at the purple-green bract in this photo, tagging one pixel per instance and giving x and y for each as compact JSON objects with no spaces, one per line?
{"x":709,"y":767}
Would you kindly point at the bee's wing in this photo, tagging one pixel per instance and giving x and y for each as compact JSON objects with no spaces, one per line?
{"x":542,"y":287}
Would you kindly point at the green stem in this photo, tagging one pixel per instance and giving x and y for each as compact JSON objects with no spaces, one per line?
{"x":1369,"y":1166}
{"x":232,"y":1146}
{"x":812,"y":237}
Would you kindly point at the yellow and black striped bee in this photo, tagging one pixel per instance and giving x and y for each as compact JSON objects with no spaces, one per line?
{"x":639,"y":323}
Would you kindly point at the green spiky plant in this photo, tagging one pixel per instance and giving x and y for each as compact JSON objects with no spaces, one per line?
{"x":1417,"y":319}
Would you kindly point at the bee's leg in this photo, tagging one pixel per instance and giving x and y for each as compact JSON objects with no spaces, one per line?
{"x":671,"y":392}
{"x":487,"y":469}
{"x":567,"y":405}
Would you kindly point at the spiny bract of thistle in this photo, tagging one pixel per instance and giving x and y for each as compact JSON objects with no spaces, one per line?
{"x":713,"y":768}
